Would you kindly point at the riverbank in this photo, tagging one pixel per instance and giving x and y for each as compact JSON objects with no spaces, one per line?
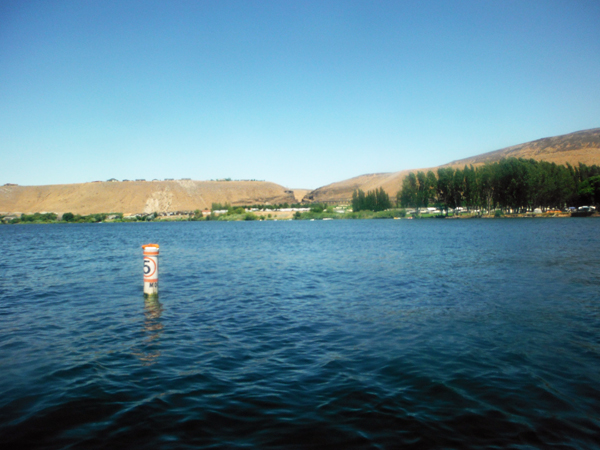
{"x":269,"y":216}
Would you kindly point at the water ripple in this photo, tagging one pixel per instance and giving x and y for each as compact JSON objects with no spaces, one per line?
{"x":364,"y":334}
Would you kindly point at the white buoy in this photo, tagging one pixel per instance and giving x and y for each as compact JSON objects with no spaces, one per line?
{"x":150,"y":270}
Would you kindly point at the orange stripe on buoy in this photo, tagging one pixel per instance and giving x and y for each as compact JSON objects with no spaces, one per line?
{"x":150,"y":274}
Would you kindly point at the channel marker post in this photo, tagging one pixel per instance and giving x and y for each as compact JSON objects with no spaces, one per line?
{"x":150,"y":270}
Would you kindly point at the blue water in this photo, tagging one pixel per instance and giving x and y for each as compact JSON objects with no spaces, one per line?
{"x":340,"y":334}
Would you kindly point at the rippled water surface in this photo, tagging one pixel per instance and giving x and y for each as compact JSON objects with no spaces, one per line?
{"x":347,"y":334}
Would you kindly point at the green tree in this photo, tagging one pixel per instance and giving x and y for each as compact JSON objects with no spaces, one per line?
{"x":220,"y":206}
{"x":383,"y":200}
{"x":444,"y":187}
{"x":483,"y":178}
{"x":471,"y":196}
{"x":408,"y":194}
{"x":431,"y":187}
{"x":377,"y":200}
{"x":457,"y":189}
{"x":358,"y":200}
{"x":589,"y":191}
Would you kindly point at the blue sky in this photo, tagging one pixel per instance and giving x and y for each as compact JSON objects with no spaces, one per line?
{"x":301,"y":93}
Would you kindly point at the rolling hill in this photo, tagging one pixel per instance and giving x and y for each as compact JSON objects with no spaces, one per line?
{"x":187,"y":195}
{"x":139,"y":196}
{"x":573,"y":148}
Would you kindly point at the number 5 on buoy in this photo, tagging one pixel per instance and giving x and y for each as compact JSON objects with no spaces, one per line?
{"x":150,"y":269}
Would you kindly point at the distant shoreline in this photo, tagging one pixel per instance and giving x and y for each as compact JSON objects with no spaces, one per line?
{"x":274,"y":217}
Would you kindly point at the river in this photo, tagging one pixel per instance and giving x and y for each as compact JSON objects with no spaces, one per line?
{"x":350,"y":334}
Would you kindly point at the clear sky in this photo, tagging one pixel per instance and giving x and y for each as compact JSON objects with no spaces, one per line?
{"x":301,"y":93}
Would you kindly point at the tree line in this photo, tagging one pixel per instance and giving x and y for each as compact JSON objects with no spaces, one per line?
{"x":377,"y":200}
{"x":509,"y":184}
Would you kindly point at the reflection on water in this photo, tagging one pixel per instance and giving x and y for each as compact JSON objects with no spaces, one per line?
{"x":153,"y":328}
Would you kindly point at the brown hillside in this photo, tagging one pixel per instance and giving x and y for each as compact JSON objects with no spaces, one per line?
{"x":573,"y":148}
{"x":341,"y":191}
{"x":579,"y":147}
{"x":300,"y":193}
{"x":139,"y":196}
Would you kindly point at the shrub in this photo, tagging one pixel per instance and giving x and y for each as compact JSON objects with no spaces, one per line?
{"x":384,"y":215}
{"x":220,"y":206}
{"x":39,"y":217}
